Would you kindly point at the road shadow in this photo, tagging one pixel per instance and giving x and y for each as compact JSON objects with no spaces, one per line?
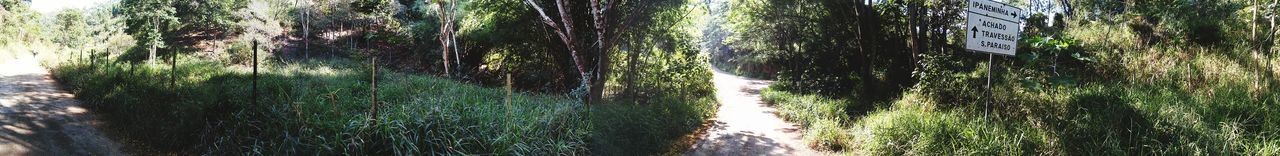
{"x":740,"y":143}
{"x":38,"y":119}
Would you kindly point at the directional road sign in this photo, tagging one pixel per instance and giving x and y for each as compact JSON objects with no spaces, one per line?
{"x":993,"y":27}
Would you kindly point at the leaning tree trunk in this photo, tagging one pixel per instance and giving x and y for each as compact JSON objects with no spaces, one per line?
{"x":444,"y":35}
{"x":564,"y":29}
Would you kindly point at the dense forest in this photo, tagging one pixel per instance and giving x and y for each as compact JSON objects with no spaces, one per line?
{"x":643,"y":77}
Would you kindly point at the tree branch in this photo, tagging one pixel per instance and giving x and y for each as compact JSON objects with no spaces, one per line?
{"x":547,"y":20}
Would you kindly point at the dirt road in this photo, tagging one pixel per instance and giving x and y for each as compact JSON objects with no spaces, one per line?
{"x":38,"y":118}
{"x":745,"y":125}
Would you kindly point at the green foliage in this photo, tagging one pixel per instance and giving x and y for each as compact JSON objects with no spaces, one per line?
{"x":19,"y":25}
{"x":659,"y":126}
{"x":1051,"y":59}
{"x":321,"y":107}
{"x":71,"y":28}
{"x":241,"y":53}
{"x":149,"y":21}
{"x":263,"y":21}
{"x":842,"y":48}
{"x":211,"y":15}
{"x":907,"y":130}
{"x":380,"y":7}
{"x":1199,"y":22}
{"x":805,"y":109}
{"x":663,"y":87}
{"x":1165,"y":85}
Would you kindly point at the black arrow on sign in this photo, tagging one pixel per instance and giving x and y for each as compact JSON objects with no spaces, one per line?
{"x":974,"y":32}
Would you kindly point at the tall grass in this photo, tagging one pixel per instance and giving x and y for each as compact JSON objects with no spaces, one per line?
{"x":321,"y":107}
{"x":823,"y":119}
{"x":661,"y":127}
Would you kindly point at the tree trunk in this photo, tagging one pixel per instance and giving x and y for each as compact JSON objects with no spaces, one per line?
{"x":151,"y":57}
{"x":862,"y":67}
{"x":602,"y":60}
{"x":453,"y":38}
{"x":444,"y":35}
{"x":173,"y":69}
{"x":306,"y":30}
{"x":631,"y":68}
{"x":564,"y":29}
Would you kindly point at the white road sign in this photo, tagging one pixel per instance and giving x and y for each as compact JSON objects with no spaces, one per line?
{"x":992,"y":27}
{"x":994,"y":9}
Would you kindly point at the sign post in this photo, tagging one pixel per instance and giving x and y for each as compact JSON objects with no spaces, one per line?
{"x":993,"y":29}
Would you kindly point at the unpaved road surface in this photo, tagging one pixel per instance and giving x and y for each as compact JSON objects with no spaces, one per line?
{"x":38,"y":118}
{"x":745,"y":125}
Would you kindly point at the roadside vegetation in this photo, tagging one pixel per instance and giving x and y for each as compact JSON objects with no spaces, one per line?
{"x":322,"y":107}
{"x":453,"y":77}
{"x":561,"y":77}
{"x":1107,"y":78}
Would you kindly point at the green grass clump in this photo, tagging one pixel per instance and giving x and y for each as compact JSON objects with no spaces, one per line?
{"x":318,"y":107}
{"x":823,"y":119}
{"x":914,"y":131}
{"x":660,"y":127}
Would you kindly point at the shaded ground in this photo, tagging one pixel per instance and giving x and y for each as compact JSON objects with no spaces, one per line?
{"x":37,"y":118}
{"x":745,"y":125}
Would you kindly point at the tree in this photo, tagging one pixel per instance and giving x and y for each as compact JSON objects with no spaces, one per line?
{"x":214,"y":17}
{"x":868,"y":49}
{"x":371,"y":6}
{"x":17,"y":20}
{"x":446,"y":12}
{"x":564,"y":29}
{"x":603,"y":37}
{"x":148,"y":21}
{"x":71,"y":25}
{"x":305,"y":16}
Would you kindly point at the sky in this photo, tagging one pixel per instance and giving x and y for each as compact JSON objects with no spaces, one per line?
{"x":51,"y":6}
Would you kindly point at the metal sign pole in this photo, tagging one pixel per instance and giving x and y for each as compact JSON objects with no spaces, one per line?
{"x":993,"y":29}
{"x":990,"y":60}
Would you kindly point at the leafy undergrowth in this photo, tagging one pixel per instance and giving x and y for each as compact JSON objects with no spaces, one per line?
{"x":1091,"y":119}
{"x":1095,"y":90}
{"x":1124,"y":100}
{"x":321,"y":107}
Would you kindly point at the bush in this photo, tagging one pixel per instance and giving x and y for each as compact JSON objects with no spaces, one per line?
{"x":241,"y":53}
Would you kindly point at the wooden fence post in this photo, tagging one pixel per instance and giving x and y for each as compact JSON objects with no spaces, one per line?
{"x":510,"y":88}
{"x":173,"y":69}
{"x":255,"y":73}
{"x":373,"y":88}
{"x":93,"y":63}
